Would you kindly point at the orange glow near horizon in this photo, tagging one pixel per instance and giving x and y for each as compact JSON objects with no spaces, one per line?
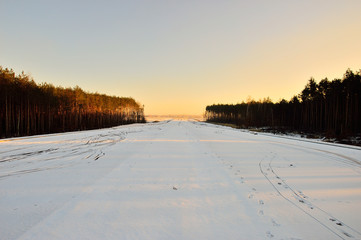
{"x":177,"y":57}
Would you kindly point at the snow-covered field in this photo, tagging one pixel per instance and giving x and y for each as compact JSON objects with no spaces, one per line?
{"x":177,"y":180}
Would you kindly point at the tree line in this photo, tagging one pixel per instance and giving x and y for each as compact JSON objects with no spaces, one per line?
{"x":331,"y":108}
{"x":27,"y":108}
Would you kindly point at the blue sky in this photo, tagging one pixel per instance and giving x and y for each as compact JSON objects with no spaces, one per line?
{"x":175,"y":57}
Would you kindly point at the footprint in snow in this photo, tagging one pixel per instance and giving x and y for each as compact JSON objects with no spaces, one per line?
{"x":269,"y":234}
{"x":261,"y":202}
{"x":347,"y":234}
{"x":275,"y":224}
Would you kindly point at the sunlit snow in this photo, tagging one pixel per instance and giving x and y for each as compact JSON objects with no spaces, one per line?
{"x":178,"y":180}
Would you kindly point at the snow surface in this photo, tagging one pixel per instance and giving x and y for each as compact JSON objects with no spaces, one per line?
{"x":177,"y":180}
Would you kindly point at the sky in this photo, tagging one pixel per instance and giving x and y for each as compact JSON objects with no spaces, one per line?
{"x":177,"y":57}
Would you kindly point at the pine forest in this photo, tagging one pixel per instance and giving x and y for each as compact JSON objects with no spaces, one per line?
{"x":329,"y":108}
{"x":27,"y":108}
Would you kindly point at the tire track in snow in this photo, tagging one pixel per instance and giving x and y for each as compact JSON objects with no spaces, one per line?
{"x":54,"y":154}
{"x":349,"y":161}
{"x":299,"y":201}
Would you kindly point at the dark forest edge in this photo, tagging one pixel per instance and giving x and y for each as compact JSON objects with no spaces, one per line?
{"x":27,"y":108}
{"x":330,"y":109}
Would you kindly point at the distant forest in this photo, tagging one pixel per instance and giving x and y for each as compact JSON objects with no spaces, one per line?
{"x":330,"y":108}
{"x":27,"y":108}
